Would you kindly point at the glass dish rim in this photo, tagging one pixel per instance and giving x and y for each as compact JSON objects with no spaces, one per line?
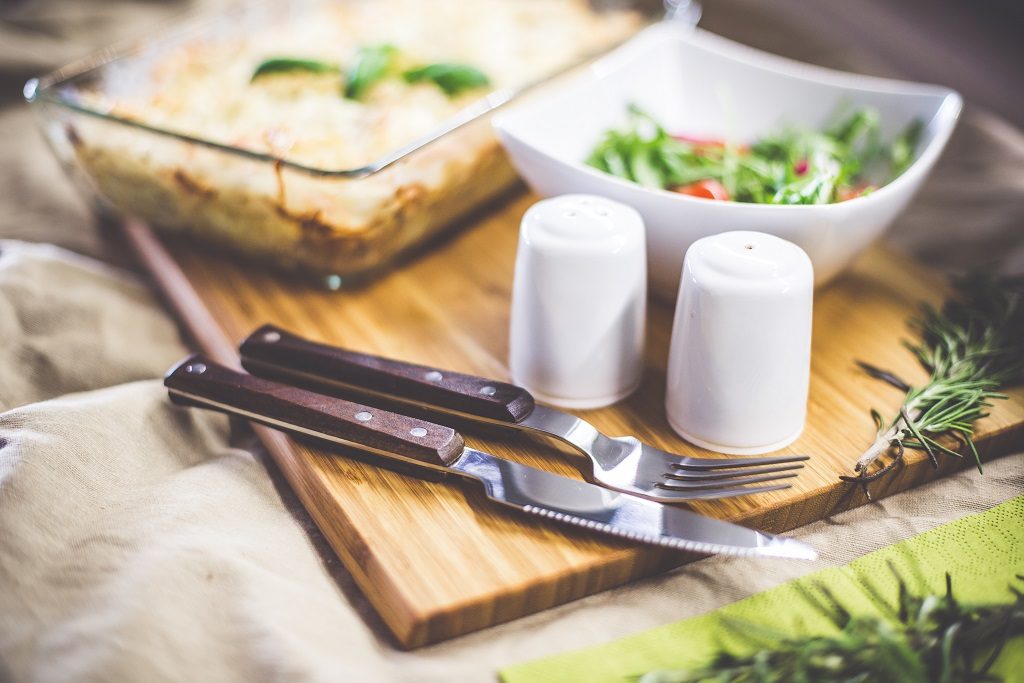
{"x":48,"y":89}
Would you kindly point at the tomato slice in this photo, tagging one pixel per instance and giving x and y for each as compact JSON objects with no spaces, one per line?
{"x":847,"y":193}
{"x":700,"y":142}
{"x":707,"y":146}
{"x":708,"y":189}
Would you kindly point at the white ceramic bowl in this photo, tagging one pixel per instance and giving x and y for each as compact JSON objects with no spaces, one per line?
{"x":703,"y":85}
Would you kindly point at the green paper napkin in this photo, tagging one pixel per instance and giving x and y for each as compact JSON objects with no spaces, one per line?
{"x":983,"y":552}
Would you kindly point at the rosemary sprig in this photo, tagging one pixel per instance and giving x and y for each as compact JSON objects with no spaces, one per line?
{"x":922,"y":638}
{"x":971,"y":347}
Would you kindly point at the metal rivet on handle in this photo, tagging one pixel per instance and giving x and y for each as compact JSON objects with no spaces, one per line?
{"x":364,"y":416}
{"x":434,"y":376}
{"x":488,"y":390}
{"x":195,"y":368}
{"x":418,"y":431}
{"x":272,"y":336}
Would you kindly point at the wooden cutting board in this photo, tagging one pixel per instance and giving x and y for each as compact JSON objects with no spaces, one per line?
{"x":434,"y":558}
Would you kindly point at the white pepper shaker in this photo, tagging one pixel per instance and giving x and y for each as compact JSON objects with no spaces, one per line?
{"x":578,"y":301}
{"x":740,"y":356}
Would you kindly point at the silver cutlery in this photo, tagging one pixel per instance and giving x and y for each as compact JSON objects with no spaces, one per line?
{"x":621,"y":463}
{"x":198,"y":381}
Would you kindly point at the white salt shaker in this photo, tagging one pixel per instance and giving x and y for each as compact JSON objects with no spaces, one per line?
{"x":578,"y":301}
{"x":740,"y":357}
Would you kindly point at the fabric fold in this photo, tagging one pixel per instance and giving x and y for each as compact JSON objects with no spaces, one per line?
{"x":69,"y":323}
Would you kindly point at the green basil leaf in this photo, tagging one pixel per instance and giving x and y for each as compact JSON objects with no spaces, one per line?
{"x":278,"y":65}
{"x":451,"y":78}
{"x":371,"y":64}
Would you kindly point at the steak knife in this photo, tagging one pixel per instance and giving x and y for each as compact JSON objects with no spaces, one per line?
{"x":198,"y":381}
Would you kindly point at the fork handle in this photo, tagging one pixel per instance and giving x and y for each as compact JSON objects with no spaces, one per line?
{"x":198,"y":381}
{"x":273,"y":352}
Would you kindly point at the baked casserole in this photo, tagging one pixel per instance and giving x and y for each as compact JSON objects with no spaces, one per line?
{"x":334,"y":136}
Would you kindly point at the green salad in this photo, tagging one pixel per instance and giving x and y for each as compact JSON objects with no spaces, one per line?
{"x":793,"y":166}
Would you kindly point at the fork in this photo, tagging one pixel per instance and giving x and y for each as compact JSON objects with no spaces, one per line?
{"x":622,"y":463}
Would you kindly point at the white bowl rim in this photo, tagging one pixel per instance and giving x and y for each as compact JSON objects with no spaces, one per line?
{"x":948,"y":112}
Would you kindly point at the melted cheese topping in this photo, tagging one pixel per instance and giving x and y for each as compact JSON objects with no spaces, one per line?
{"x":202,"y":88}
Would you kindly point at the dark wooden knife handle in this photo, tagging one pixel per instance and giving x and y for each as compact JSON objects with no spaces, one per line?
{"x":198,"y":381}
{"x":277,"y":353}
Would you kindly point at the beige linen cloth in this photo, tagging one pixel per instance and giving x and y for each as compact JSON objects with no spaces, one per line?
{"x":141,"y":542}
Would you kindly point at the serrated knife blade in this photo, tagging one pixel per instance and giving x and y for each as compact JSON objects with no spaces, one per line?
{"x":578,"y":503}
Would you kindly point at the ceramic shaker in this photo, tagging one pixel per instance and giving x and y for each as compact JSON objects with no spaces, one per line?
{"x":578,"y":301}
{"x":739,"y":361}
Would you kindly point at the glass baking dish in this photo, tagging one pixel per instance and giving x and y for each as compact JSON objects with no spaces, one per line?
{"x":337,"y":224}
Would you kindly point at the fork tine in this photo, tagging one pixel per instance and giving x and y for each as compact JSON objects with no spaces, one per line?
{"x":669,"y":496}
{"x":715,"y":464}
{"x":721,"y":474}
{"x":672,"y":483}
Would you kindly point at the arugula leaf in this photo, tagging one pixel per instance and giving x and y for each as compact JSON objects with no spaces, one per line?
{"x":450,"y":77}
{"x":371,"y":64}
{"x":277,"y":65}
{"x":860,"y":125}
{"x":816,"y":188}
{"x":901,"y":154}
{"x":645,"y":169}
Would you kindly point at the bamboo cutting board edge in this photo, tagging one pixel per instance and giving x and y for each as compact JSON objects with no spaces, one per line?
{"x":414,"y":622}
